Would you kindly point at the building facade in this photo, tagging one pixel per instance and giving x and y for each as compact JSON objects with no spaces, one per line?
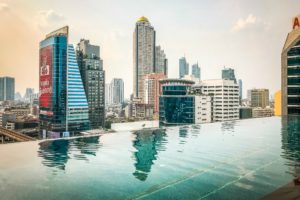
{"x":277,"y":103}
{"x":228,"y":74}
{"x":153,"y":89}
{"x":290,"y":71}
{"x":179,"y":104}
{"x":7,"y":88}
{"x":259,"y":98}
{"x":183,"y":67}
{"x":246,"y":112}
{"x":143,"y":54}
{"x":161,"y":61}
{"x":62,"y":101}
{"x":196,"y":71}
{"x":262,"y":112}
{"x":117,"y":91}
{"x":225,"y":94}
{"x":93,"y":77}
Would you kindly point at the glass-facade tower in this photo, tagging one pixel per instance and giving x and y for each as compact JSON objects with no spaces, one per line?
{"x":62,"y":100}
{"x":290,"y":73}
{"x":7,"y":88}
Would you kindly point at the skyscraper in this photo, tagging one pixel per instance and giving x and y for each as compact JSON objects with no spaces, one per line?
{"x":28,"y":93}
{"x":63,"y":104}
{"x":241,"y":88}
{"x":143,"y":54}
{"x":290,"y":71}
{"x":93,"y":77}
{"x":117,"y":91}
{"x":228,"y":74}
{"x":7,"y":88}
{"x":161,"y":62}
{"x":196,"y":71}
{"x":183,"y":67}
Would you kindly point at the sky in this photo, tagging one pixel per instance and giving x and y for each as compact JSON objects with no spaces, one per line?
{"x":245,"y":35}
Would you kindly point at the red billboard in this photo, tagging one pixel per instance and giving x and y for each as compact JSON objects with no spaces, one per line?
{"x":46,"y":62}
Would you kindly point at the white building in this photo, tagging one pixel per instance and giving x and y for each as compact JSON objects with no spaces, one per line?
{"x":203,"y":109}
{"x":225,"y":94}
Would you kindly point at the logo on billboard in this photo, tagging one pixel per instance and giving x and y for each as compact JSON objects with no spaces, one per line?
{"x":296,"y":23}
{"x":45,"y":68}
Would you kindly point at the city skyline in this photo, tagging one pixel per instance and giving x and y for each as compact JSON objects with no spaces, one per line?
{"x":213,"y":40}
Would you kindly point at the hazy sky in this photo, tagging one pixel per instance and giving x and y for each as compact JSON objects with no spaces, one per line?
{"x":246,"y":35}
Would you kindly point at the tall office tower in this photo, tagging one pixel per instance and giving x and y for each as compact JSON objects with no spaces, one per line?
{"x":28,"y":93}
{"x":290,"y":71}
{"x":107,"y":94}
{"x":228,"y":74}
{"x":7,"y":88}
{"x":63,"y":104}
{"x":259,"y":97}
{"x":183,"y":67}
{"x":117,"y":91}
{"x":161,"y":62}
{"x":153,"y":89}
{"x":143,"y":54}
{"x":196,"y":71}
{"x":225,"y":94}
{"x":93,"y":77}
{"x":241,"y":88}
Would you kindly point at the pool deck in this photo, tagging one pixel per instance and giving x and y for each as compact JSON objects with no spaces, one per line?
{"x":289,"y":191}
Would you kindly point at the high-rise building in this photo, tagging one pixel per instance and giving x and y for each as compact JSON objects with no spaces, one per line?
{"x":259,"y":97}
{"x":179,"y":104}
{"x":225,"y":94}
{"x":183,"y":67}
{"x":28,"y":93}
{"x":277,"y":103}
{"x":153,"y":89}
{"x":117,"y":91}
{"x":161,"y":62}
{"x":143,"y":54}
{"x":107,"y":94}
{"x":63,"y":104}
{"x":196,"y":71}
{"x":93,"y":77}
{"x":241,"y":89}
{"x":7,"y":88}
{"x":228,"y":74}
{"x":290,"y":71}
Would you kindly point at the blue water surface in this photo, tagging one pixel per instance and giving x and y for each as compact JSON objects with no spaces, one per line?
{"x":244,"y":159}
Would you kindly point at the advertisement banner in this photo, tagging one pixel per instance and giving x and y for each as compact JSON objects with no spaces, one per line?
{"x":46,"y":60}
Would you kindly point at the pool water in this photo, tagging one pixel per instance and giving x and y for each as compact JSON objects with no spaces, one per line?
{"x":244,"y":159}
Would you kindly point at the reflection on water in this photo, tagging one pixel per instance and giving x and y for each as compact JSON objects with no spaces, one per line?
{"x":56,"y":153}
{"x":228,"y":127}
{"x":148,"y":144}
{"x":291,"y":141}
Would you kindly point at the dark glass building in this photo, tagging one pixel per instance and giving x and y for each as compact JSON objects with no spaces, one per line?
{"x":175,"y":105}
{"x":290,"y":72}
{"x":228,"y":74}
{"x":62,"y":101}
{"x":7,"y":88}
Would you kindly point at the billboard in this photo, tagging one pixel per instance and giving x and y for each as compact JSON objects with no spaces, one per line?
{"x":46,"y":67}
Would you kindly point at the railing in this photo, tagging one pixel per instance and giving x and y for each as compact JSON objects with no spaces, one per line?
{"x":15,"y":135}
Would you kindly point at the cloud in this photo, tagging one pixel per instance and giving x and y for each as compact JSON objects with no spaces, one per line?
{"x":49,"y":18}
{"x":244,"y":23}
{"x":4,"y":7}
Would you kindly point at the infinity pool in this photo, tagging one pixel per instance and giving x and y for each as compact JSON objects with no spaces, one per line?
{"x":244,"y":159}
